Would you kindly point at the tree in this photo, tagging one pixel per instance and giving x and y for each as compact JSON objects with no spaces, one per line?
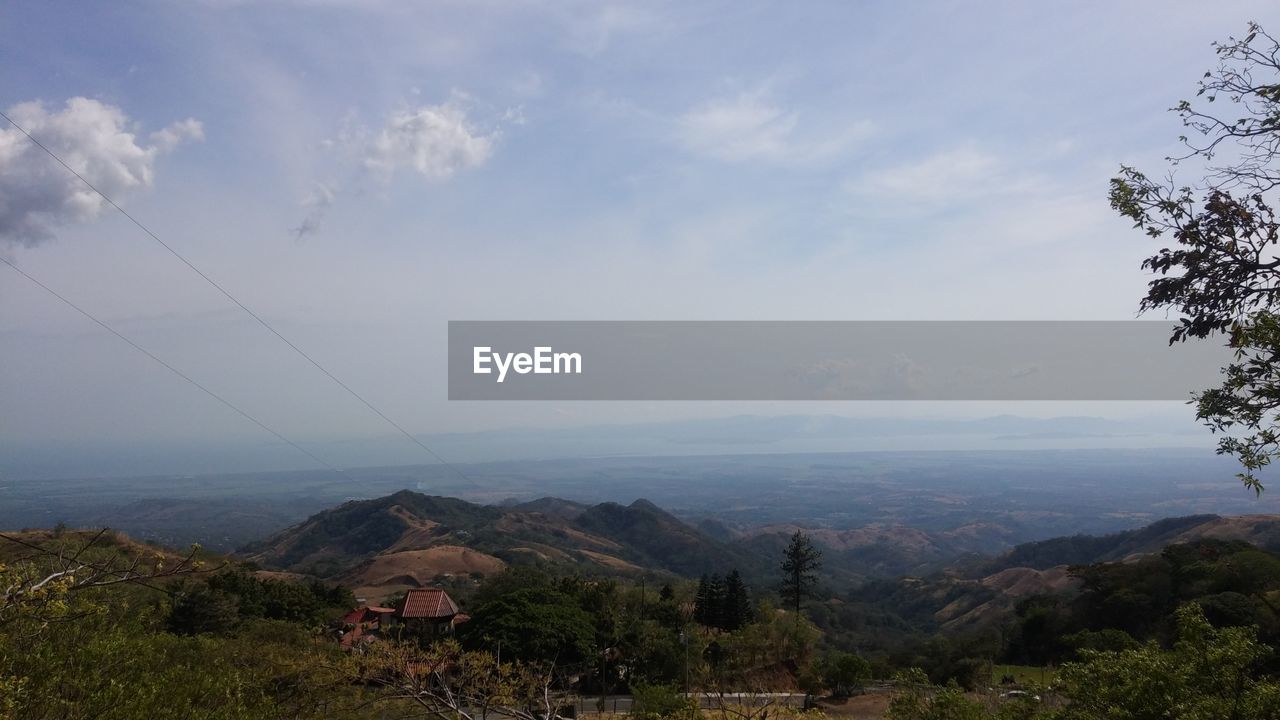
{"x":711,"y":602}
{"x":1209,"y":673}
{"x":736,"y":608}
{"x":703,"y":601}
{"x":204,"y":610}
{"x":532,"y":624}
{"x":844,"y":672}
{"x":800,"y":563}
{"x":444,"y":681}
{"x":47,"y":586}
{"x":916,"y":699}
{"x":1221,"y":273}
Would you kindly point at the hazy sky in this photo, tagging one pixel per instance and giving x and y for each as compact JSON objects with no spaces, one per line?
{"x":361,"y":172}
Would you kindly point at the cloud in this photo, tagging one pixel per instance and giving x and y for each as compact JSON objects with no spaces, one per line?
{"x":37,"y":195}
{"x":435,"y":140}
{"x":316,"y":203}
{"x":958,"y":172}
{"x":745,"y":127}
{"x":750,"y":127}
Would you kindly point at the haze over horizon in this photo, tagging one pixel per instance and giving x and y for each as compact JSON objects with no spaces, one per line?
{"x":716,"y":436}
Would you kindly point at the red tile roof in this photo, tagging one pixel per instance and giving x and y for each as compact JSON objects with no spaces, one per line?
{"x":365,"y":614}
{"x":433,"y":603}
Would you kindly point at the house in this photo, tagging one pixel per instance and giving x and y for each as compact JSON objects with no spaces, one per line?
{"x":426,"y":611}
{"x":429,"y":609}
{"x":365,"y":624}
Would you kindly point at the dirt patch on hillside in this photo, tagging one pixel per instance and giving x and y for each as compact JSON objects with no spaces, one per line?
{"x":1022,"y":581}
{"x":408,"y":567}
{"x":280,"y":575}
{"x":1261,"y":530}
{"x":611,"y":562}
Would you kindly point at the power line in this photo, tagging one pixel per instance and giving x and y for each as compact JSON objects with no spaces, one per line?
{"x":233,"y":299}
{"x":173,"y":369}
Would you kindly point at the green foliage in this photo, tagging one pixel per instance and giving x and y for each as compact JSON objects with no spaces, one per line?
{"x":1221,"y":273}
{"x":1210,"y":673}
{"x":445,"y":681}
{"x":120,"y":664}
{"x":204,"y":610}
{"x":1108,"y":639}
{"x":655,"y":702}
{"x":800,"y":563}
{"x":534,"y":624}
{"x":737,"y":609}
{"x":844,"y":673}
{"x":723,"y":603}
{"x":778,"y":642}
{"x":218,"y":603}
{"x":916,"y":699}
{"x":1127,"y":602}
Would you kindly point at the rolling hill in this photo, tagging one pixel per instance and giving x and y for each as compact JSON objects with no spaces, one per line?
{"x":1260,"y":530}
{"x":409,"y":539}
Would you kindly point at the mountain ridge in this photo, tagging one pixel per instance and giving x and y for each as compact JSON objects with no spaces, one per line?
{"x":410,"y":539}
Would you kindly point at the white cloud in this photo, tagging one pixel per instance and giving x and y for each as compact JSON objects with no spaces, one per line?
{"x":750,"y":127}
{"x":171,"y":137}
{"x":95,"y":139}
{"x":435,"y":140}
{"x":952,"y":173}
{"x":746,"y":127}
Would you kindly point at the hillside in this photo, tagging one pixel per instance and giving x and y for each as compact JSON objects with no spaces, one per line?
{"x":1260,"y":530}
{"x":409,"y":539}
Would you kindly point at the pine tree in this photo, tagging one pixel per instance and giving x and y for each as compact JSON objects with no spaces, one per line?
{"x":709,"y":604}
{"x":800,"y":562}
{"x":715,"y":603}
{"x":702,"y":602}
{"x":738,"y":610}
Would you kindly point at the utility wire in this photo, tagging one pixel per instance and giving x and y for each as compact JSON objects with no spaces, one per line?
{"x":173,"y":369}
{"x":233,"y":299}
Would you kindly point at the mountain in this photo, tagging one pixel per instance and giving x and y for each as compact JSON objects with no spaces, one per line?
{"x":1260,"y":530}
{"x":977,"y":591}
{"x":651,"y":536}
{"x":409,"y":539}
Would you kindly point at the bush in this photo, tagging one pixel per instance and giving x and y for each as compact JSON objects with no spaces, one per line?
{"x":662,"y":701}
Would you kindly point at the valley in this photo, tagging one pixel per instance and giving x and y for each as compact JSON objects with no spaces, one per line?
{"x":932,"y":505}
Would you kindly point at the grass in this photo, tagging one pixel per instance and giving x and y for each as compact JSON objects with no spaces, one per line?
{"x":1022,"y":674}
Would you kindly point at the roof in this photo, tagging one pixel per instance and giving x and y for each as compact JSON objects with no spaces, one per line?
{"x":353,"y":617}
{"x":433,"y":603}
{"x":365,"y":614}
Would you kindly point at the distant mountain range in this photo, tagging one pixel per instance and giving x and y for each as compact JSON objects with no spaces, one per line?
{"x":409,"y":539}
{"x":880,"y":513}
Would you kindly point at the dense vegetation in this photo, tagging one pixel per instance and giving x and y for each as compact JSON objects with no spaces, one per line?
{"x":1185,"y":633}
{"x":1123,"y":604}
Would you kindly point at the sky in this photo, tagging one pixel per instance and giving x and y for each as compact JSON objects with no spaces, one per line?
{"x":359,"y":173}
